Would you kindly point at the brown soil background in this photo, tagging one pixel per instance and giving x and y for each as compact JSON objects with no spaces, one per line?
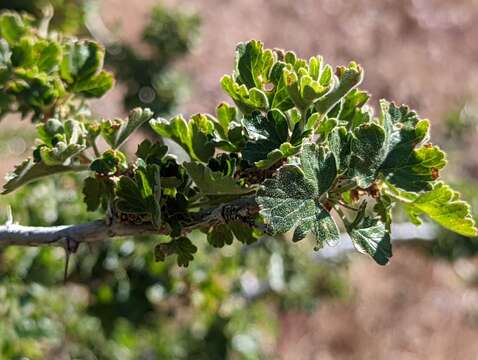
{"x":420,"y":52}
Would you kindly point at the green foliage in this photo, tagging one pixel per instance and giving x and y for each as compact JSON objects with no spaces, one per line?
{"x":441,"y":204}
{"x":182,"y":247}
{"x":68,"y":15}
{"x":293,"y":198}
{"x":115,"y":132}
{"x":40,"y":72}
{"x":302,"y":142}
{"x":371,"y":236}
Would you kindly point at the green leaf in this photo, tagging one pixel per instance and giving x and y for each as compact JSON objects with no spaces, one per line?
{"x":5,"y":60}
{"x":47,"y":55}
{"x":280,"y":98}
{"x":285,"y":150}
{"x":321,"y":224}
{"x":405,"y":166}
{"x":81,"y":60}
{"x":265,"y":133}
{"x":371,"y":236}
{"x":212,"y":183}
{"x":110,"y":162}
{"x":28,"y":171}
{"x":93,"y":191}
{"x":195,"y":137}
{"x":253,"y":64}
{"x":444,"y":206}
{"x":202,"y":133}
{"x":416,"y":170}
{"x":242,"y":232}
{"x":339,"y":143}
{"x":287,"y":199}
{"x":61,"y":154}
{"x":291,"y":200}
{"x":176,"y":129}
{"x":349,"y":78}
{"x":117,"y":131}
{"x":220,"y":235}
{"x":35,"y":90}
{"x":141,"y":194}
{"x":151,"y":153}
{"x":352,"y":111}
{"x":319,"y":167}
{"x":12,"y":27}
{"x":247,"y":100}
{"x":182,"y":247}
{"x":226,"y":115}
{"x":368,"y":149}
{"x":95,"y":86}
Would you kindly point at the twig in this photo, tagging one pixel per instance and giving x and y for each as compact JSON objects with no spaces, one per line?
{"x":64,"y":236}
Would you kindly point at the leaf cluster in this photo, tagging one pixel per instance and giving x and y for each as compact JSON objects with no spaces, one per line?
{"x":301,"y":140}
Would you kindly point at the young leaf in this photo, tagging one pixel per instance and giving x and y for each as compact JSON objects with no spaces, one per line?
{"x":117,"y":131}
{"x":279,"y":98}
{"x":5,"y":60}
{"x":285,"y":150}
{"x":110,"y":162}
{"x":444,"y":206}
{"x":247,"y":100}
{"x":349,"y":78}
{"x":253,"y":64}
{"x":196,"y":137}
{"x":81,"y":60}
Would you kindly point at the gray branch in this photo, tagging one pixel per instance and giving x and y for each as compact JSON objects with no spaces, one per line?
{"x":58,"y":235}
{"x":13,"y":234}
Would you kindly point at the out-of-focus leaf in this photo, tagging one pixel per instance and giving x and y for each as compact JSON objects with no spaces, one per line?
{"x":28,"y":171}
{"x":182,"y":247}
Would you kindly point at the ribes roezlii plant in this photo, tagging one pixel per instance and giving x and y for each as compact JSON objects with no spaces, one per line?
{"x":300,"y":150}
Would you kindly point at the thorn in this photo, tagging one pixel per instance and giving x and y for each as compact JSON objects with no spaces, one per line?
{"x":71,"y":246}
{"x":9,"y":216}
{"x":67,"y":263}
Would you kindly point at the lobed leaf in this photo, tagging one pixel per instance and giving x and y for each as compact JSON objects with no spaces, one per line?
{"x":371,"y":236}
{"x":29,"y":171}
{"x":443,"y":205}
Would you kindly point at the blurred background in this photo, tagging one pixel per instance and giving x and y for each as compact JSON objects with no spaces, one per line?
{"x":269,"y":300}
